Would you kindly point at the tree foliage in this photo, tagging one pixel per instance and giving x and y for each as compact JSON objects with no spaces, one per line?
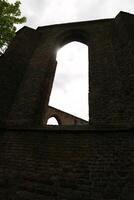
{"x":9,"y":16}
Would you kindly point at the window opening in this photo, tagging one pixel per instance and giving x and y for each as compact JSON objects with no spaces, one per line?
{"x":70,"y":86}
{"x":52,"y":121}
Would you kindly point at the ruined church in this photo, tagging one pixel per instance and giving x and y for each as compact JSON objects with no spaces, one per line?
{"x":77,"y":160}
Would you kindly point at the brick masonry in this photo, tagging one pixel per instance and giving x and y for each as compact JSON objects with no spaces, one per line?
{"x":27,"y":71}
{"x":94,"y":161}
{"x":63,"y":118}
{"x":63,"y":164}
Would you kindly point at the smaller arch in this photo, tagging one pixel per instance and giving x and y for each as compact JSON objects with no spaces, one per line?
{"x":53,"y":120}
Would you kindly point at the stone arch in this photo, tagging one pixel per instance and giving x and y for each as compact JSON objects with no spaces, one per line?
{"x":56,"y":117}
{"x":71,"y":74}
{"x":62,"y":38}
{"x":70,"y":36}
{"x":66,"y":37}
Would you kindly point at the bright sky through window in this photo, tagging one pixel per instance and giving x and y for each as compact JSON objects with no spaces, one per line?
{"x":52,"y":121}
{"x":70,"y":87}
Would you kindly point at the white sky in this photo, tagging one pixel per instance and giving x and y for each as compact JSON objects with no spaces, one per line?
{"x":47,"y":12}
{"x":70,"y":88}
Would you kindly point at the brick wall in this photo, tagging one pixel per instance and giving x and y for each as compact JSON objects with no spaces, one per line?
{"x":13,"y":66}
{"x":27,"y":70}
{"x":68,"y":164}
{"x":62,"y":117}
{"x":65,"y":164}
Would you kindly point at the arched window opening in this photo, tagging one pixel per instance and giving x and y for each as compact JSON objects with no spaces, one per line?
{"x":70,"y":86}
{"x":52,"y":121}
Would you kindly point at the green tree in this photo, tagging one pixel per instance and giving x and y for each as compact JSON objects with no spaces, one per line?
{"x":9,"y":16}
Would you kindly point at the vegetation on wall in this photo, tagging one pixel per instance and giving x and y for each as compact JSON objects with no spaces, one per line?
{"x":10,"y":15}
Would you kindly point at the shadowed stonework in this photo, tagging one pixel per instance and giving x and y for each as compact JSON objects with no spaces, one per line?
{"x":86,"y":160}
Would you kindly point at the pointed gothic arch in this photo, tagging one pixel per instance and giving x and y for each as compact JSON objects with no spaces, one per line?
{"x":64,"y":74}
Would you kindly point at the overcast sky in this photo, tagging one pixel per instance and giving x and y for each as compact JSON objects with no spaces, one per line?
{"x":44,"y":12}
{"x":48,"y":12}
